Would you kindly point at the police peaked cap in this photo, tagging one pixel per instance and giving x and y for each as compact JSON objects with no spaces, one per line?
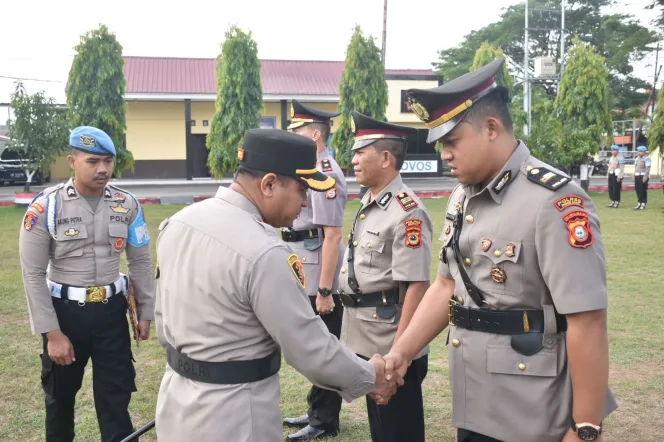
{"x":367,"y":130}
{"x":443,"y":107}
{"x":284,"y":153}
{"x":302,"y":115}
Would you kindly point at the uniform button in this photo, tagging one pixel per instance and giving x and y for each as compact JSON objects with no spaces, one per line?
{"x":549,"y":341}
{"x":522,"y":366}
{"x":447,"y":229}
{"x":343,"y":270}
{"x":368,"y":245}
{"x":469,"y":219}
{"x":354,"y":243}
{"x":456,"y":343}
{"x":304,"y":259}
{"x":529,"y":167}
{"x":460,"y":300}
{"x":467,"y":261}
{"x":497,"y":253}
{"x":363,"y":216}
{"x":374,"y":316}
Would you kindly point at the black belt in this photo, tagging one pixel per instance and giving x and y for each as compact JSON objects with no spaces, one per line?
{"x":505,"y":322}
{"x":227,"y":372}
{"x":375,"y":299}
{"x":289,"y":235}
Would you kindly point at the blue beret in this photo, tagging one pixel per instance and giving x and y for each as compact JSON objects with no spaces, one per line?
{"x":91,"y":140}
{"x":614,"y":147}
{"x":642,"y":149}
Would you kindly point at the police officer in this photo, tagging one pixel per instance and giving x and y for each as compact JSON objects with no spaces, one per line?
{"x":642,"y":166}
{"x":521,"y":279}
{"x":387,"y":271}
{"x":231,"y":296}
{"x":70,"y":244}
{"x":316,"y":238}
{"x":616,"y":173}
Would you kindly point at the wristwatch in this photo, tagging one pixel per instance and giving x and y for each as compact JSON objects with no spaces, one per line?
{"x":324,"y":292}
{"x":587,"y":431}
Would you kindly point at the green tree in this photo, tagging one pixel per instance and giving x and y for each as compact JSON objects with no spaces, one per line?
{"x":363,"y":88}
{"x":38,"y":131}
{"x":583,"y":104}
{"x":484,"y":55}
{"x":239,"y":99}
{"x":620,"y":38}
{"x":96,"y":88}
{"x":656,"y":130}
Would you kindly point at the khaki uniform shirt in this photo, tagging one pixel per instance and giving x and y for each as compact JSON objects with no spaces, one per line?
{"x":230,"y":289}
{"x":392,"y":238}
{"x":616,"y":166}
{"x":526,"y":248}
{"x":323,"y":209}
{"x":642,"y":166}
{"x":64,"y":240}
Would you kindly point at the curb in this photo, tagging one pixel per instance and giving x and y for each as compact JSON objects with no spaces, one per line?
{"x":351,"y":196}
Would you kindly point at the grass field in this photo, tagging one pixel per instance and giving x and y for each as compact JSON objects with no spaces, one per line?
{"x":634,"y":242}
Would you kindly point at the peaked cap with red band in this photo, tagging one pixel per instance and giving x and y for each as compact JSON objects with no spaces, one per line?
{"x":367,"y":130}
{"x":302,"y":115}
{"x":443,"y":107}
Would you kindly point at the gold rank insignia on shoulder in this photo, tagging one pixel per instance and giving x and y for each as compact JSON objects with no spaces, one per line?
{"x":326,"y":165}
{"x":547,"y":178}
{"x":406,"y":201}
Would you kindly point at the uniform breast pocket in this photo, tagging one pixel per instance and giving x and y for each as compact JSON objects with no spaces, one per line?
{"x":381,"y":315}
{"x":498,"y":266}
{"x":70,"y":241}
{"x":373,"y":256}
{"x":117,"y":236}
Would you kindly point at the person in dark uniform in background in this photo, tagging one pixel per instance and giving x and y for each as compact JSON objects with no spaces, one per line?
{"x":642,"y":165}
{"x":316,"y":237}
{"x":70,"y":245}
{"x":616,"y":173}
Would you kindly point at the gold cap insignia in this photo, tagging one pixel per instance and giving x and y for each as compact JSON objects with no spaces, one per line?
{"x":418,"y":109}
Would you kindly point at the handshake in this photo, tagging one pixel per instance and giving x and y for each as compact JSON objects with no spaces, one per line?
{"x":390,"y":370}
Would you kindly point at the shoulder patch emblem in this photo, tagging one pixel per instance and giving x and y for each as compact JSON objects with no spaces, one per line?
{"x":71,"y":192}
{"x":569,"y":201}
{"x":119,"y":197}
{"x":38,"y":207}
{"x":119,"y":208}
{"x":385,"y":199}
{"x":30,"y":220}
{"x":578,"y":226}
{"x":326,"y":164}
{"x":406,"y":201}
{"x":413,"y":233}
{"x":298,"y":269}
{"x":331,"y":194}
{"x":107,"y":193}
{"x":547,"y":178}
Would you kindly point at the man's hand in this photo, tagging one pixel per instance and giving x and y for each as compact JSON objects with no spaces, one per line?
{"x":386,"y":383}
{"x":571,"y":436}
{"x":324,"y":304}
{"x":144,"y":330}
{"x":396,"y":363}
{"x":59,"y":348}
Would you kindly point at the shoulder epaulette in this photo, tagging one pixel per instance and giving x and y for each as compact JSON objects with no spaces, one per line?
{"x":46,"y":192}
{"x":326,"y":165}
{"x":406,"y":201}
{"x":546,"y":177}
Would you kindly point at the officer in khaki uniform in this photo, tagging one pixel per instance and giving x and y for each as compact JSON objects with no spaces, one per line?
{"x":316,"y":237}
{"x":387,"y":270}
{"x":616,"y":174}
{"x":70,"y":244}
{"x":231,"y":296}
{"x":521,"y":279}
{"x":642,"y":165}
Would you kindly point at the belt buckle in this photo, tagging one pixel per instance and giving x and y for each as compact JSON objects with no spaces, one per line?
{"x":95,"y":294}
{"x":449,"y":313}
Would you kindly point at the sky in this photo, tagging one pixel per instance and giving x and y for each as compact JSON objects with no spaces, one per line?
{"x":37,"y":38}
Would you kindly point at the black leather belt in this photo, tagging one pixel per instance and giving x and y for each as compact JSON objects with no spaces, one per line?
{"x":375,"y":299}
{"x":289,"y":235}
{"x":227,"y":372}
{"x":506,"y":322}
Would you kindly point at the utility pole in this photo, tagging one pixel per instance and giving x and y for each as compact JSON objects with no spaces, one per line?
{"x":526,"y":82}
{"x":654,"y":81}
{"x":382,"y":54}
{"x":562,"y":44}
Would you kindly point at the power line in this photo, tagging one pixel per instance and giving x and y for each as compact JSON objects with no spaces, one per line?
{"x":32,"y":79}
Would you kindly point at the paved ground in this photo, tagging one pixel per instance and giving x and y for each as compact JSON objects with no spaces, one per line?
{"x":207,"y":187}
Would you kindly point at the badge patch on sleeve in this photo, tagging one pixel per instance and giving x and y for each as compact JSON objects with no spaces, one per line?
{"x":578,"y":227}
{"x":298,"y":269}
{"x":406,"y":201}
{"x":331,"y":194}
{"x":29,"y":221}
{"x":326,"y":165}
{"x":139,"y":235}
{"x":569,"y":201}
{"x":413,"y":233}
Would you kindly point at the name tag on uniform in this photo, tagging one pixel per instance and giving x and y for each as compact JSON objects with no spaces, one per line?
{"x":617,"y":172}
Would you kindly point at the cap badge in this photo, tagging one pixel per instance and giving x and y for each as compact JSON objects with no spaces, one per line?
{"x":87,"y":141}
{"x":292,"y":111}
{"x":418,"y":109}
{"x":352,"y":125}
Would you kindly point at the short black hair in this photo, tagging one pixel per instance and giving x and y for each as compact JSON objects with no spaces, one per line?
{"x":324,"y":130}
{"x":395,"y":147}
{"x":493,"y":105}
{"x":256,"y":174}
